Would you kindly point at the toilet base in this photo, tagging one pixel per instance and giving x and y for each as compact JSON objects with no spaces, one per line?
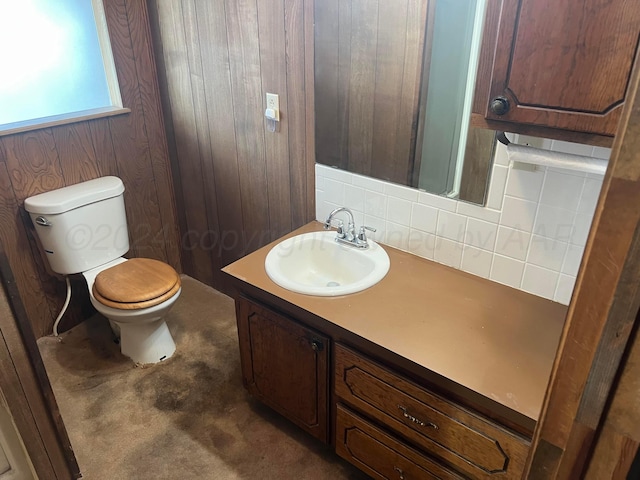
{"x":148,"y":342}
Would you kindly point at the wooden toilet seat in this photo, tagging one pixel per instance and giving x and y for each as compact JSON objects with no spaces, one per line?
{"x":135,"y":284}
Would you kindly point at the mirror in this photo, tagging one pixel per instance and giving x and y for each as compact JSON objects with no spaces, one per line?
{"x":394,"y":82}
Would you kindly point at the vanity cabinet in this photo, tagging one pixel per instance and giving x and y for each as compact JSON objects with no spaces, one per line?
{"x":285,"y":365}
{"x":563,"y":65}
{"x":467,"y":441}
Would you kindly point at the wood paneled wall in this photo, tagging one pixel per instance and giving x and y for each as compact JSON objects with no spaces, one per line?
{"x":369,"y":58}
{"x":238,"y":186}
{"x":131,"y":146}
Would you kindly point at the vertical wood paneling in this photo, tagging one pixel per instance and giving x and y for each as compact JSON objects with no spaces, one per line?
{"x":246,"y":87}
{"x":16,"y":246}
{"x":220,"y":59}
{"x":77,"y":155}
{"x":299,"y":94}
{"x":185,"y":134}
{"x":364,"y":38}
{"x":212,"y":28}
{"x":206,"y":241}
{"x":32,"y":162}
{"x":369,"y":58}
{"x":273,"y":69}
{"x":154,"y":137}
{"x":131,"y":146}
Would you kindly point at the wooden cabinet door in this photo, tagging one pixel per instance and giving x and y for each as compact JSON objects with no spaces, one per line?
{"x":284,"y":365}
{"x":564,"y":63}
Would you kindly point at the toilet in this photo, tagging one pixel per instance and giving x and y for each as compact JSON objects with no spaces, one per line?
{"x":83,"y":229}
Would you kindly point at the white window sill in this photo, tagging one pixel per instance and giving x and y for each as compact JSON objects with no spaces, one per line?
{"x":36,"y":124}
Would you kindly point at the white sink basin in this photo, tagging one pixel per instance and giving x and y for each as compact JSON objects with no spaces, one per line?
{"x":315,"y":264}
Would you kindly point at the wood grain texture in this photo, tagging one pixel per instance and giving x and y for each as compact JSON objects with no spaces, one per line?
{"x":24,"y":384}
{"x":131,"y":145}
{"x":285,"y":365}
{"x":241,"y":186}
{"x":369,"y":58}
{"x":603,"y":308}
{"x":565,"y":64}
{"x":476,"y":169}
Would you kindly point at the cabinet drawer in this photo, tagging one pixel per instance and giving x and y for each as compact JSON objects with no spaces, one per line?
{"x":471,"y":443}
{"x":379,"y":454}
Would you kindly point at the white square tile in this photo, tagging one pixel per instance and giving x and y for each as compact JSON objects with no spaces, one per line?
{"x":476,"y":211}
{"x":334,"y":191}
{"x":572,"y":260}
{"x":380,"y":224}
{"x":476,"y":261}
{"x":554,"y":222}
{"x":570,"y":147}
{"x":397,"y":236}
{"x":443,"y":203}
{"x":337,"y":174}
{"x":354,"y":197}
{"x":375,"y":204}
{"x":562,"y":190}
{"x":540,"y":281}
{"x":480,"y":234}
{"x":424,"y":217}
{"x":547,"y":252}
{"x":320,"y":182}
{"x":448,"y":252}
{"x":399,"y":211}
{"x":501,"y":157}
{"x":601,"y":152}
{"x":368,"y":183}
{"x":421,"y":243}
{"x":512,"y":243}
{"x":321,"y":213}
{"x":507,"y":271}
{"x":524,"y":184}
{"x":327,"y":208}
{"x":590,"y":196}
{"x":581,"y":227}
{"x":564,"y":290}
{"x":517,"y":213}
{"x":451,"y":226}
{"x":402,"y":192}
{"x":497,"y":185}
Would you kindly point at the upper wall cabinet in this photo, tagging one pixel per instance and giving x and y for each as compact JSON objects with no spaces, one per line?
{"x":562,"y":64}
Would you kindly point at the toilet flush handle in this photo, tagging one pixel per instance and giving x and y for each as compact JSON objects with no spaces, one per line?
{"x":43,"y":221}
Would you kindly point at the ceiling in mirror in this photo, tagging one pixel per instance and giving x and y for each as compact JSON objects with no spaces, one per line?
{"x":394,"y":81}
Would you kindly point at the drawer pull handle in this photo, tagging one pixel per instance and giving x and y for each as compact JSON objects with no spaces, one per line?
{"x":417,"y":420}
{"x":400,"y":472}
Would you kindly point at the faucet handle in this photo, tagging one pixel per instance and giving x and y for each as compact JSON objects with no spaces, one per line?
{"x":330,"y":222}
{"x":362,"y":236}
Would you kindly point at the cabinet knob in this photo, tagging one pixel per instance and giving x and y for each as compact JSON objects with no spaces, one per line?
{"x":500,"y":105}
{"x":317,"y":345}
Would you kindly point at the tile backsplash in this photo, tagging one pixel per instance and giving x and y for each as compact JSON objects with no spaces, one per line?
{"x":530,"y":235}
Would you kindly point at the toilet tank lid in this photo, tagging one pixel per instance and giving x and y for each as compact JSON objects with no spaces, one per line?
{"x":74,"y":196}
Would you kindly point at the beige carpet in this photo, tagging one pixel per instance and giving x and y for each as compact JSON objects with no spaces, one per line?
{"x":188,"y":417}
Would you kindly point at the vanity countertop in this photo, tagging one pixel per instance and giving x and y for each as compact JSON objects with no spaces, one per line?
{"x":495,"y":340}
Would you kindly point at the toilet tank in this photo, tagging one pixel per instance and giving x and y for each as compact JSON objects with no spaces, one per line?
{"x":81,"y":226}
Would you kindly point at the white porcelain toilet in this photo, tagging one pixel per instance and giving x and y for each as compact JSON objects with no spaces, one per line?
{"x":83,"y":229}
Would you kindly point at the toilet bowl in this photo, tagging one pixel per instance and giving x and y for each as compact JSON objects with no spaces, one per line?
{"x":83,"y":229}
{"x":143,"y":332}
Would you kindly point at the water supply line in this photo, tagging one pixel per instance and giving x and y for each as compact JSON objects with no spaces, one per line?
{"x":64,"y":308}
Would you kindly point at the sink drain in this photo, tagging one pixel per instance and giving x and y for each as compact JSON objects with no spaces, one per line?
{"x":333,"y":284}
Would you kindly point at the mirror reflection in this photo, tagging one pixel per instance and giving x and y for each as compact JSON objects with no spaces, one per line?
{"x":394,"y":82}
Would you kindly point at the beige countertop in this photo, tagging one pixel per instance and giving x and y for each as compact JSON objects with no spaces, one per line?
{"x":495,"y":340}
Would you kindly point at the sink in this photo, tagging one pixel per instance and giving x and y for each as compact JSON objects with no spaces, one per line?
{"x":315,"y":264}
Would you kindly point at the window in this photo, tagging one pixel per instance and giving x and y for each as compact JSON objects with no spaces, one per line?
{"x":56,"y":62}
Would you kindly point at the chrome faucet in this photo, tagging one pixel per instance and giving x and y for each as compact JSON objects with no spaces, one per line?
{"x":348,"y":236}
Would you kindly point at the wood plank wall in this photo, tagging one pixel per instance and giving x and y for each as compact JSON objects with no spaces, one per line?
{"x":131,"y":146}
{"x":369,"y":57}
{"x":238,"y":186}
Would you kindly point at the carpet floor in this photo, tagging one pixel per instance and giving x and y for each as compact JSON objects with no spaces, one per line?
{"x":186,"y":418}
